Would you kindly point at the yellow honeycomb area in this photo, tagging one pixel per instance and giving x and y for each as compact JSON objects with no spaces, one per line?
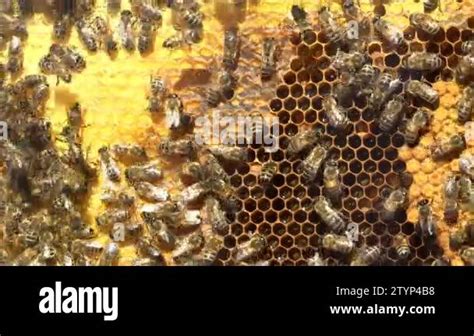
{"x":113,"y":92}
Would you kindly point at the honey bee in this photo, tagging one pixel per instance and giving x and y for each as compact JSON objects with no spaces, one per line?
{"x":112,"y":216}
{"x":250,"y":248}
{"x":312,"y":164}
{"x":430,"y":5}
{"x":466,"y":105}
{"x":269,"y":170}
{"x":389,"y":33}
{"x":349,"y":62}
{"x":457,"y":239}
{"x":332,"y":182}
{"x":157,"y":86}
{"x":147,"y":249}
{"x":302,"y":141}
{"x":110,"y":255}
{"x":144,"y":173}
{"x":62,"y":27}
{"x":465,"y":189}
{"x":367,"y":256}
{"x":186,"y":147}
{"x":396,"y":200}
{"x":415,"y":125}
{"x":392,"y":114}
{"x":174,"y":42}
{"x":192,"y":18}
{"x":40,"y":94}
{"x":15,"y":56}
{"x":188,"y":246}
{"x":467,"y":47}
{"x":385,"y":88}
{"x":448,"y":149}
{"x":229,"y":153}
{"x":330,"y":27}
{"x":151,"y":193}
{"x":401,"y":247}
{"x":208,"y":254}
{"x":451,"y":194}
{"x":425,"y":23}
{"x":464,"y":72}
{"x":112,"y":171}
{"x":467,"y":255}
{"x":126,"y":32}
{"x":270,"y":53}
{"x":146,"y":37}
{"x":316,"y":260}
{"x":426,"y":220}
{"x":129,"y":152}
{"x":300,"y":18}
{"x":215,"y":215}
{"x":423,"y":61}
{"x":119,"y":199}
{"x":329,"y":216}
{"x":176,"y":119}
{"x":337,"y":116}
{"x":366,"y":76}
{"x":231,"y":49}
{"x":149,"y":13}
{"x":337,"y":243}
{"x":87,"y":34}
{"x":466,"y":165}
{"x":423,"y":91}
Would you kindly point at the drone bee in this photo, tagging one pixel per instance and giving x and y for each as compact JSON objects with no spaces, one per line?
{"x":426,"y":220}
{"x":129,"y":152}
{"x":302,"y":141}
{"x":367,"y":256}
{"x":185,"y":147}
{"x":312,"y":163}
{"x":188,"y":246}
{"x":269,"y":58}
{"x":110,"y":255}
{"x":269,"y":170}
{"x":423,"y":61}
{"x":332,"y":218}
{"x":126,"y":31}
{"x":451,"y":194}
{"x":425,"y":23}
{"x":144,"y":173}
{"x":430,"y":5}
{"x":151,"y":193}
{"x":87,"y":35}
{"x":337,"y":116}
{"x":250,"y":248}
{"x":423,"y":91}
{"x":390,"y":33}
{"x":392,"y":114}
{"x":337,"y":243}
{"x":396,"y":200}
{"x":231,"y":49}
{"x":112,"y":171}
{"x":401,"y":247}
{"x":448,"y":149}
{"x":215,"y":215}
{"x":415,"y":125}
{"x":466,"y":105}
{"x":332,"y":182}
{"x":330,"y":27}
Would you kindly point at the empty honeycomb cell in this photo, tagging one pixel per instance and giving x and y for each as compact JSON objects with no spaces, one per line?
{"x":308,"y":229}
{"x":458,"y":49}
{"x":303,"y":76}
{"x":371,"y":216}
{"x":377,"y":179}
{"x":257,"y":217}
{"x":245,"y":168}
{"x":263,"y":204}
{"x":355,"y":166}
{"x":301,"y":241}
{"x":370,"y":166}
{"x":243,"y":217}
{"x":294,"y":253}
{"x":393,"y":228}
{"x":292,"y":204}
{"x":300,"y":216}
{"x":265,"y":229}
{"x":416,"y":47}
{"x":392,"y":60}
{"x":353,"y":115}
{"x":379,"y":228}
{"x":250,"y":158}
{"x":330,"y":49}
{"x":291,"y":129}
{"x":285,"y":192}
{"x":282,"y":91}
{"x":223,"y":254}
{"x":271,"y":192}
{"x":317,"y":103}
{"x":399,"y":166}
{"x":276,"y":105}
{"x":362,"y":154}
{"x":317,"y":50}
{"x":349,"y":204}
{"x":392,"y":180}
{"x":470,"y":22}
{"x":304,"y":51}
{"x":364,"y":203}
{"x":391,"y":153}
{"x":408,"y":228}
{"x":372,"y":240}
{"x":355,"y":141}
{"x":401,"y":217}
{"x":357,"y":216}
{"x":347,"y":154}
{"x":367,"y":116}
{"x":311,"y":90}
{"x":243,"y":193}
{"x":356,"y":191}
{"x":289,"y":78}
{"x":432,"y":48}
{"x":256,"y":192}
{"x":453,"y":61}
{"x":446,"y":49}
{"x":229,"y":242}
{"x":416,"y":262}
{"x":376,"y":153}
{"x":363,"y":179}
{"x":383,"y":140}
{"x":289,"y":104}
{"x":278,"y":155}
{"x":386,"y":240}
{"x":349,"y":179}
{"x":453,"y":34}
{"x":237,"y":229}
{"x":292,"y":180}
{"x":285,"y":216}
{"x":250,"y":205}
{"x":415,"y":241}
{"x":402,"y":48}
{"x":250,"y":228}
{"x":297,"y":117}
{"x":278,"y":180}
{"x":324,"y":89}
{"x":334,"y":153}
{"x":440,"y":36}
{"x":409,"y":33}
{"x":236,"y":181}
{"x":250,"y":180}
{"x":384,"y":166}
{"x":283,"y":117}
{"x":296,"y":64}
{"x":280,"y":254}
{"x":310,"y":116}
{"x":306,"y":203}
{"x":295,"y":38}
{"x":278,"y":204}
{"x":299,"y":192}
{"x":296,"y":90}
{"x":309,"y":37}
{"x":423,"y":36}
{"x":243,"y":238}
{"x":330,"y":75}
{"x":272,"y":241}
{"x":466,"y":35}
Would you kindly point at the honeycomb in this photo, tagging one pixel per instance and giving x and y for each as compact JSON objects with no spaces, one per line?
{"x":114,"y":96}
